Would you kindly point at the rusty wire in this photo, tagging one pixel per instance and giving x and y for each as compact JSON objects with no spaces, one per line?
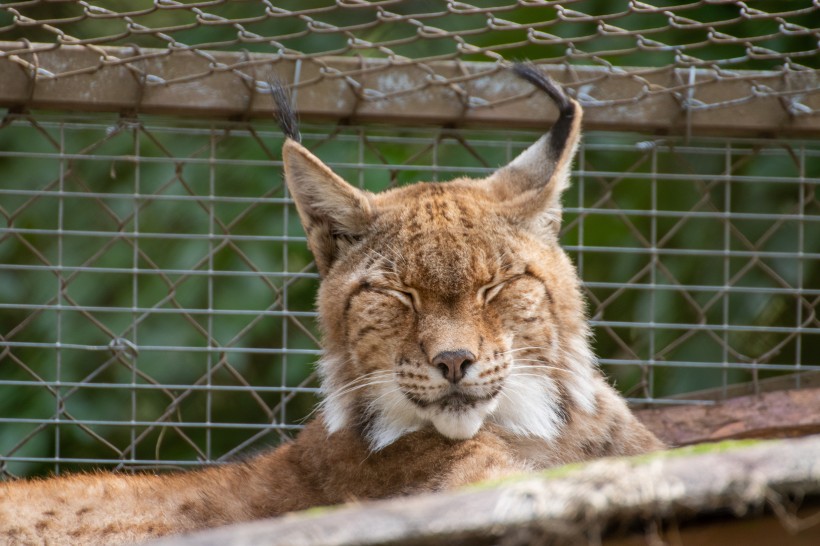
{"x":733,"y":41}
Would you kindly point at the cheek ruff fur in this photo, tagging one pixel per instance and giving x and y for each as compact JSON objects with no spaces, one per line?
{"x":527,"y":405}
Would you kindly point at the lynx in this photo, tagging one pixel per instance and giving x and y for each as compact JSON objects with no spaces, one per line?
{"x":456,"y":350}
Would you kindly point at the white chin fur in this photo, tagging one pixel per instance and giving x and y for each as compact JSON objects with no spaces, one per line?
{"x":461,"y":425}
{"x":398,"y":416}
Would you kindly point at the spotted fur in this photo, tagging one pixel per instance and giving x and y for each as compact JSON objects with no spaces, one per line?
{"x":456,"y":349}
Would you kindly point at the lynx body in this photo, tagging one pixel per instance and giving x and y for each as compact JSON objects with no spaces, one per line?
{"x":456,"y":350}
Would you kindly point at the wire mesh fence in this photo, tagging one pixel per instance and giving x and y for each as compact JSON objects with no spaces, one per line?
{"x":156,"y":294}
{"x":708,"y":64}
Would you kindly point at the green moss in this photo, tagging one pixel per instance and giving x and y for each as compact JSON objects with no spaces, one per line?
{"x":637,"y":460}
{"x":318,"y":511}
{"x":697,"y":449}
{"x":715,"y":447}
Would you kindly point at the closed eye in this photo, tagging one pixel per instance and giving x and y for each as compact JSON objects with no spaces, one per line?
{"x":408,"y":297}
{"x":487,"y":292}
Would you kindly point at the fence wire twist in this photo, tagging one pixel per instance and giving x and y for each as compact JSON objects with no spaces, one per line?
{"x":691,"y":59}
{"x":155,"y":290}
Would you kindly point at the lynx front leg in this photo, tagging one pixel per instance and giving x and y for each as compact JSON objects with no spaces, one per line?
{"x":485,"y":465}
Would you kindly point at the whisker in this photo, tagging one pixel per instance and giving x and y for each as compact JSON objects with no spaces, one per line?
{"x":503,"y":392}
{"x":367,"y":376}
{"x":373,"y":378}
{"x":391,"y":391}
{"x":352,"y":388}
{"x":544,"y":367}
{"x":352,"y":385}
{"x":510,"y":351}
{"x":396,"y":253}
{"x":395,"y":403}
{"x":390,"y":262}
{"x":541,"y":360}
{"x":533,"y":375}
{"x":310,"y":414}
{"x":543,"y":363}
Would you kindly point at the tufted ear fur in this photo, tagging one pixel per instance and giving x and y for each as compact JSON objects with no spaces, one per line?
{"x":333,"y":213}
{"x":531,"y":185}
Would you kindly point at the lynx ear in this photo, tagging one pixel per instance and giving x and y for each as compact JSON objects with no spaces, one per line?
{"x":333,"y":213}
{"x":531,"y":185}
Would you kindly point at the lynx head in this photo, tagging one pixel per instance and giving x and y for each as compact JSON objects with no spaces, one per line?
{"x":449,"y":304}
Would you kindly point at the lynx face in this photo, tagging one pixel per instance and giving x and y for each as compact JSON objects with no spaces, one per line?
{"x":449,"y":304}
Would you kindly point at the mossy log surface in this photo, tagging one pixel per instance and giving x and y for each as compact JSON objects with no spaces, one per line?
{"x":602,"y":501}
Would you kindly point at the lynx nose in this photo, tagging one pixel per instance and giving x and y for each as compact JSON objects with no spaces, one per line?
{"x":454,"y":364}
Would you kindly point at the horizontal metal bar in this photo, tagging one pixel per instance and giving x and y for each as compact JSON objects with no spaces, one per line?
{"x":669,"y":401}
{"x":119,"y":462}
{"x":160,"y":348}
{"x":728,"y":215}
{"x":704,"y":327}
{"x":161,"y":424}
{"x":159,"y":271}
{"x":71,"y":195}
{"x":711,"y":177}
{"x":153,"y":235}
{"x":160,"y":387}
{"x":700,"y":252}
{"x":67,"y":156}
{"x":797,"y":291}
{"x":161,"y":310}
{"x":709,"y":365}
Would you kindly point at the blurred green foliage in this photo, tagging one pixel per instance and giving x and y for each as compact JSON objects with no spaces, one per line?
{"x":95,"y":155}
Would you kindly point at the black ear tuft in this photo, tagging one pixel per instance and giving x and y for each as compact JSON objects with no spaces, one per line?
{"x":285,"y":115}
{"x":531,"y":185}
{"x":531,"y":73}
{"x":561,"y":132}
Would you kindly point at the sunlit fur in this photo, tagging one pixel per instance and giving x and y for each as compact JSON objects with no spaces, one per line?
{"x":467,"y":267}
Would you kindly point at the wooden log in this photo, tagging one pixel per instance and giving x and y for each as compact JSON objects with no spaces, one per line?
{"x":780,"y":414}
{"x":211,"y":84}
{"x":577,"y":504}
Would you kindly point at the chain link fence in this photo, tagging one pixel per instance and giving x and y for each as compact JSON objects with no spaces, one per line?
{"x":156,"y":294}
